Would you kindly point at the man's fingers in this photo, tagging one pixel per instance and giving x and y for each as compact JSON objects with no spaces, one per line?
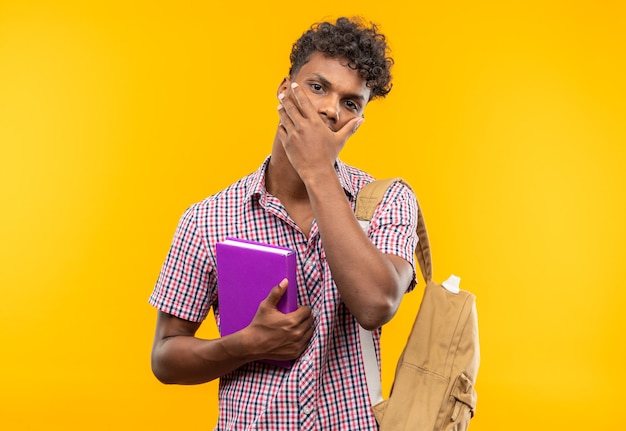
{"x":350,"y":128}
{"x":284,"y":118}
{"x":276,"y":293}
{"x":303,"y":314}
{"x":287,"y":111}
{"x":296,"y":102}
{"x":300,"y":100}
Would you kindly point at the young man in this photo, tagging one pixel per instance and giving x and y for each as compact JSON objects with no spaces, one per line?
{"x":302,"y":197}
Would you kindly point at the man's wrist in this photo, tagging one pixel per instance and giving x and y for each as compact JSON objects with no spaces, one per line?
{"x":238,"y":347}
{"x":321,"y":177}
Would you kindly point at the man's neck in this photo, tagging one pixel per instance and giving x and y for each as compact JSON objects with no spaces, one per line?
{"x":282,"y":180}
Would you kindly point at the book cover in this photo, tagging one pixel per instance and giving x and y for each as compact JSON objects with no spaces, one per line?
{"x":246,"y":272}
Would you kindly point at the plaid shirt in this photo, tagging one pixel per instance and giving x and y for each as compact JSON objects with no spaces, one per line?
{"x":326,"y":389}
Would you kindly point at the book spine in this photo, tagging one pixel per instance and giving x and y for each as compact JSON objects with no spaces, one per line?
{"x":289,"y":301}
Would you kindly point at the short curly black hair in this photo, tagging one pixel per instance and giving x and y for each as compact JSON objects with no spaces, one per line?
{"x":360,"y":44}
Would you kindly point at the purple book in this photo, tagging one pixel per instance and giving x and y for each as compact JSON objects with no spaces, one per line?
{"x":246,"y":272}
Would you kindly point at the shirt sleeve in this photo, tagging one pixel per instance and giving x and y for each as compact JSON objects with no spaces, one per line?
{"x":182,"y":288}
{"x":393,"y":225}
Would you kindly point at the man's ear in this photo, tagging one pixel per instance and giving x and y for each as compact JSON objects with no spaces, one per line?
{"x":283,"y":86}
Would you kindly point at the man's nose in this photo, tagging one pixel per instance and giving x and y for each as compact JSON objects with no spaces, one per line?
{"x":330,"y":108}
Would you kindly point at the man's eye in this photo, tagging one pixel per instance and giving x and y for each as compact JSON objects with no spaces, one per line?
{"x":316,"y":87}
{"x":351,"y":105}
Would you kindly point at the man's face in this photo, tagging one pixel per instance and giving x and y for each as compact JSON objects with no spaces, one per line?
{"x":337,"y":92}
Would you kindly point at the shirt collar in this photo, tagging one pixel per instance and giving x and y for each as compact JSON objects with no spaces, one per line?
{"x":257,"y":179}
{"x":345,"y":178}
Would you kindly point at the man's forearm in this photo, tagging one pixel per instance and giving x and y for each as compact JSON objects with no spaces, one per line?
{"x":367,"y":279}
{"x":189,"y":360}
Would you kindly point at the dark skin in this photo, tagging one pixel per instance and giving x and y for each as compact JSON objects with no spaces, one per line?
{"x":180,"y":357}
{"x":321,"y":107}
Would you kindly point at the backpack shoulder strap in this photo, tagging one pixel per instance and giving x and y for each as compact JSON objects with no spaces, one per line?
{"x":368,"y":199}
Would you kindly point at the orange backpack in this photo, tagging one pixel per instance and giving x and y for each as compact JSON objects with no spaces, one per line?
{"x":433,"y":387}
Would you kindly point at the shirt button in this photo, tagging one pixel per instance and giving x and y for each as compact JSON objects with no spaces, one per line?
{"x":306,"y":410}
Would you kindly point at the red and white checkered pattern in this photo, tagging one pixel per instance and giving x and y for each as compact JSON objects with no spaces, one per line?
{"x":326,"y":388}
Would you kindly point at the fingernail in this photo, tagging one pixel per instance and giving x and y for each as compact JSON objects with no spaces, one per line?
{"x":294,"y":84}
{"x":279,"y":107}
{"x":281,"y":96}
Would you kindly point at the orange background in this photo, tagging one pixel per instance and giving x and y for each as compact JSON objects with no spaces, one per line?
{"x":507,"y":118}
